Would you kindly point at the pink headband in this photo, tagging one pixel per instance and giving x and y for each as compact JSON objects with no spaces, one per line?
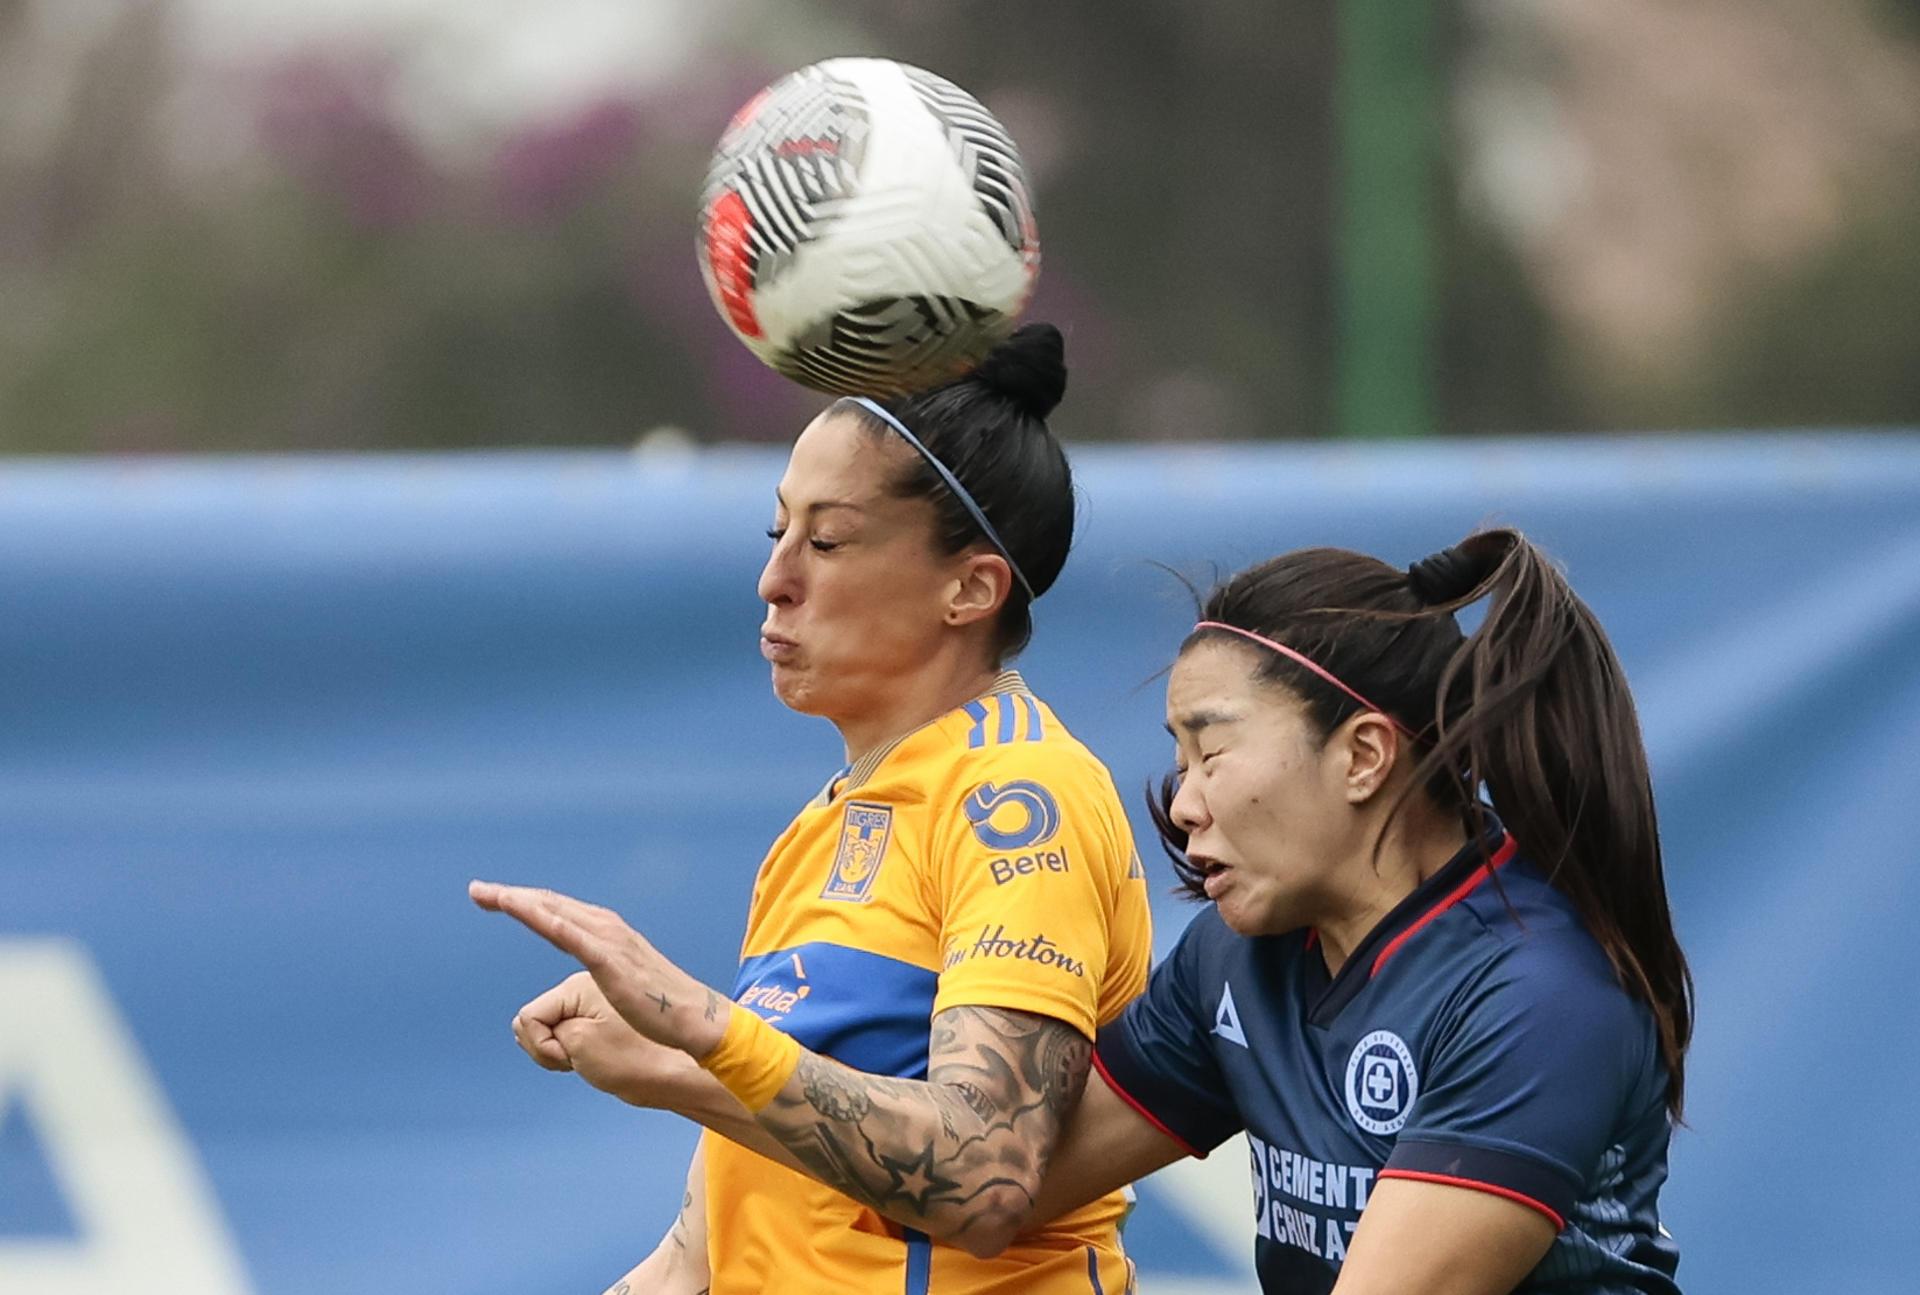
{"x":1299,"y":659}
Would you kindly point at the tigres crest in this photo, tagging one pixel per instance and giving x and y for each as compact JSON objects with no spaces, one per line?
{"x":864,"y":830}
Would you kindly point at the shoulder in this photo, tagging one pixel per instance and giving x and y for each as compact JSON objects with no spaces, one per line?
{"x":1525,"y":932}
{"x":1534,"y":966}
{"x":1013,"y":720}
{"x":1012,"y":745}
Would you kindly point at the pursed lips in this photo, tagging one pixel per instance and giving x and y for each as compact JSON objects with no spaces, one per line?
{"x":777,"y":647}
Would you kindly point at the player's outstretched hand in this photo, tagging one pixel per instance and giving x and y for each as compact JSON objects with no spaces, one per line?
{"x":651,"y":994}
{"x":573,"y":1027}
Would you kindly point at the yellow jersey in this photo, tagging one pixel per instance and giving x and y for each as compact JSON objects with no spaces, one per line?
{"x":981,"y":860}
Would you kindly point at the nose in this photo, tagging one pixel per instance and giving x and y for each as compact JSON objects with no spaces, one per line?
{"x":1189,"y":808}
{"x":780,"y":578}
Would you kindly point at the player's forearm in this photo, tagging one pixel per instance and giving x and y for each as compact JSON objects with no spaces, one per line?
{"x":913,"y":1151}
{"x":795,"y":1133}
{"x":700,"y":1097}
{"x":1104,"y":1146}
{"x":887,"y":1120}
{"x":1002,"y":1090}
{"x":678,"y":1265}
{"x":797,"y":1136}
{"x":959,"y":1156}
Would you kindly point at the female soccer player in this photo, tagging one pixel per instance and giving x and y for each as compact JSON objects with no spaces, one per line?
{"x":935,"y":940}
{"x":1453,"y":1033}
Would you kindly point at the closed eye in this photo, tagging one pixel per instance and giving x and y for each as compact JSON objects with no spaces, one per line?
{"x":1181,"y":769}
{"x":775,"y":533}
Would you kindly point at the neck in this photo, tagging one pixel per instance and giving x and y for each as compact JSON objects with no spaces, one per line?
{"x":1390,"y":866}
{"x":929,"y":694}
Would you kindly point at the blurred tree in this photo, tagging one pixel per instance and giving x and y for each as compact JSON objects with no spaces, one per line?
{"x":1671,"y":181}
{"x":403,"y":236}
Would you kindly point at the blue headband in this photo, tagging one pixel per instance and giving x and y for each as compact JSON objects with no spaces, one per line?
{"x":953,"y":484}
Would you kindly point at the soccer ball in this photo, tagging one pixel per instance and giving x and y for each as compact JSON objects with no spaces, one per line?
{"x":866,"y":228}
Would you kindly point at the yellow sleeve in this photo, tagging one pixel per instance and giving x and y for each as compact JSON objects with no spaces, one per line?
{"x":1028,"y":866}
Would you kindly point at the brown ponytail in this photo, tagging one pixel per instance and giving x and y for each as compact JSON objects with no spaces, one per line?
{"x":1537,"y":710}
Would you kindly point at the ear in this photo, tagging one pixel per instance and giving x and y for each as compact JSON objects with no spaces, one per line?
{"x":979,"y":588}
{"x":1369,"y":744}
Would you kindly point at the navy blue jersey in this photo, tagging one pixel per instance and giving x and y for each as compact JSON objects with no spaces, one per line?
{"x":1477,"y":1037}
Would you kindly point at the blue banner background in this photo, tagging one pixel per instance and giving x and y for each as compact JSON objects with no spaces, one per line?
{"x":261,"y":719}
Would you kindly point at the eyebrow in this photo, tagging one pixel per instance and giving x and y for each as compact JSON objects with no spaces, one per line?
{"x":819,"y":505}
{"x":1194,"y":721}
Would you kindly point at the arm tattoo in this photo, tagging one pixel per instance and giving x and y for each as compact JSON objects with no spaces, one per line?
{"x":837,"y":1096}
{"x":678,"y":1233}
{"x":964,"y":1150}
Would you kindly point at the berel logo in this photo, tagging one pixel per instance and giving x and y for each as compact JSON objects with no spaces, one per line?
{"x":1382,"y":1082}
{"x":1018,"y":816}
{"x":1025,"y":865}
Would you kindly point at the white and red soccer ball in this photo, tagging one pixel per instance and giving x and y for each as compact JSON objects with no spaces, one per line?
{"x":866,"y":228}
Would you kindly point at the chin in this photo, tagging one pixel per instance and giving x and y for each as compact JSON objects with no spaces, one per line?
{"x":798,"y":689}
{"x":1247,"y":915}
{"x":791,"y":690}
{"x":1235,"y":915}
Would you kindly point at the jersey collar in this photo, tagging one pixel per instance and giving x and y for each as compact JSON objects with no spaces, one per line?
{"x":1464,"y":873}
{"x":862,"y":770}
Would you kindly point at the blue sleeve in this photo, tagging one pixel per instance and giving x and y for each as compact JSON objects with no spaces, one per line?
{"x":1157,"y":1055}
{"x":1547,"y":1062}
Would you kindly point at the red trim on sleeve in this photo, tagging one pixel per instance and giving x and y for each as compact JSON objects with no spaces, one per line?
{"x":1142,"y":1111}
{"x":1414,"y":1175}
{"x":1508,"y":848}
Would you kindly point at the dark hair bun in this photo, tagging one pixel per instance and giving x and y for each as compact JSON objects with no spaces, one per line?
{"x":1029,"y":369}
{"x":1454,"y":573}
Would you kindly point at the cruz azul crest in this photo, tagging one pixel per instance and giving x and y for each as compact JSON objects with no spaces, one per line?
{"x":1382,"y":1083}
